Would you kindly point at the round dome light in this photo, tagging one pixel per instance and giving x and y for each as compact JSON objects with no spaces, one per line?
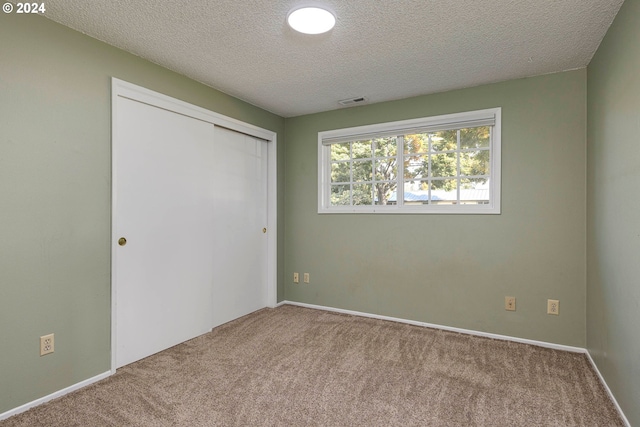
{"x":311,"y":20}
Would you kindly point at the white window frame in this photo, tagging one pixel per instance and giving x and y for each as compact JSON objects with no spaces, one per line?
{"x":425,"y":124}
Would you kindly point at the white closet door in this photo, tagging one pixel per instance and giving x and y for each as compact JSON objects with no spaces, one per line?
{"x":164,"y":188}
{"x":240,"y":217}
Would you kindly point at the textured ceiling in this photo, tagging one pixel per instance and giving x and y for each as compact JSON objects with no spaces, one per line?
{"x":379,"y":49}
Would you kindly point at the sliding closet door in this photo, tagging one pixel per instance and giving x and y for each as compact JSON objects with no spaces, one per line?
{"x":164,"y":187}
{"x":240,"y":221}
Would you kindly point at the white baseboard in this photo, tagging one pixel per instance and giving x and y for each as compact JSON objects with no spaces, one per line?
{"x":472,"y":332}
{"x":59,"y":393}
{"x":444,"y":328}
{"x":606,"y":387}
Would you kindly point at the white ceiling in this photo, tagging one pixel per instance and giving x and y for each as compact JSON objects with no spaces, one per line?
{"x":379,"y":49}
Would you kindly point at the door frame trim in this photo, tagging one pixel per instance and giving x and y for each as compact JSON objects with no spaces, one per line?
{"x":122,"y":89}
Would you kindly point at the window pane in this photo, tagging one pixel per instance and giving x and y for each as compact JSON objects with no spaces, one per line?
{"x":474,"y":191}
{"x":362,"y":194}
{"x":384,"y":192}
{"x":416,"y":143}
{"x":444,"y":140}
{"x":439,"y":167}
{"x":475,"y":137}
{"x":416,"y":194}
{"x":340,"y":195}
{"x":386,"y":147}
{"x":340,"y":151}
{"x":416,"y":167}
{"x":444,"y":164}
{"x":474,"y":163}
{"x":361,"y":149}
{"x":340,"y":172}
{"x":444,"y":191}
{"x":386,"y":169}
{"x":362,"y":171}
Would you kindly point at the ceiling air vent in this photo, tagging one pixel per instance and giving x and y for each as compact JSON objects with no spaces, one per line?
{"x":352,"y":101}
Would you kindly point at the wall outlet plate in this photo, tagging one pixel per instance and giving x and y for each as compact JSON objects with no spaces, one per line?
{"x":306,"y":277}
{"x":46,"y":344}
{"x":296,"y":278}
{"x":510,"y":303}
{"x":553,"y":307}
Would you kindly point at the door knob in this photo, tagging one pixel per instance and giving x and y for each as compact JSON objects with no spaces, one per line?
{"x":264,"y":230}
{"x":122,"y":241}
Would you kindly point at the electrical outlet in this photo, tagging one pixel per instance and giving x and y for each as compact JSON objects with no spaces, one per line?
{"x":296,"y":278}
{"x":306,"y":277}
{"x":510,"y":303}
{"x":46,"y":344}
{"x":553,"y":306}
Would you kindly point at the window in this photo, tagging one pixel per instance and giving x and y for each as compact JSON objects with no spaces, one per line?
{"x":443,"y":164}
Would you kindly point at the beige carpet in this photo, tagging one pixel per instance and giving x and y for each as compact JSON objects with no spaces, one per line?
{"x":293,"y":366}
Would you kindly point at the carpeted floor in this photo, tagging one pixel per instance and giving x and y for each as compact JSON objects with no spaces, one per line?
{"x":293,"y":366}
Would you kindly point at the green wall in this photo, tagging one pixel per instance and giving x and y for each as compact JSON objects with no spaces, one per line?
{"x":55,"y":192}
{"x":613,"y":221}
{"x":455,"y":270}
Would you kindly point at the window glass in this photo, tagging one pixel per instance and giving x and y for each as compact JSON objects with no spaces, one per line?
{"x":452,"y":170}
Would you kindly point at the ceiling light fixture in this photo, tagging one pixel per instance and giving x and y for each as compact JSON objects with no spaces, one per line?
{"x":311,"y":20}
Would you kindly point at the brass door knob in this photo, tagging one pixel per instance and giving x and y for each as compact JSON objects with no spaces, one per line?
{"x":264,"y":230}
{"x":122,"y":241}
